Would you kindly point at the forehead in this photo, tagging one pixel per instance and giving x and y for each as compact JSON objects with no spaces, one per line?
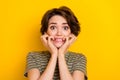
{"x":57,"y":19}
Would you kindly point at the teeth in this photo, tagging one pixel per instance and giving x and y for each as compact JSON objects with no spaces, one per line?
{"x":58,"y":39}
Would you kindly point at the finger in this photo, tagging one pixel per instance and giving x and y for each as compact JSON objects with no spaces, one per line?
{"x":50,"y":39}
{"x":45,"y":33}
{"x":66,"y":41}
{"x":73,"y":38}
{"x":44,"y":39}
{"x":66,"y":44}
{"x":45,"y":36}
{"x":70,"y":36}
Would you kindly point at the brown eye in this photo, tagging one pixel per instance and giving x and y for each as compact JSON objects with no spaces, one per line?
{"x":52,"y":27}
{"x":66,"y":27}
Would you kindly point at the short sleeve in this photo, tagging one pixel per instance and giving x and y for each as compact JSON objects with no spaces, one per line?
{"x":30,"y":63}
{"x":80,"y":64}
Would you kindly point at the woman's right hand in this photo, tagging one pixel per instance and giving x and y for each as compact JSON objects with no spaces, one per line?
{"x":47,"y":42}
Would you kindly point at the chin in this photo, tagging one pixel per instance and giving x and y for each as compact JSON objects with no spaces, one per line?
{"x":58,"y":46}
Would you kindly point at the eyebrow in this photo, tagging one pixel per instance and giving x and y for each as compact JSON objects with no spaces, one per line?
{"x":56,"y":23}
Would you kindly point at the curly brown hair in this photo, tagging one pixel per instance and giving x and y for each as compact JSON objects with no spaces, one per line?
{"x":64,"y":12}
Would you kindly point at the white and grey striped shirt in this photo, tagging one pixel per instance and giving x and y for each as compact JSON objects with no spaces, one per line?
{"x":39,"y":60}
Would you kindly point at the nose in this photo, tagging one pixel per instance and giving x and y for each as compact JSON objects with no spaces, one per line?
{"x":59,"y":33}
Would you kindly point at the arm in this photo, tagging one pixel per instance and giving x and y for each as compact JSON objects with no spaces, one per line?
{"x":34,"y":74}
{"x":79,"y":67}
{"x":49,"y":71}
{"x":78,"y":75}
{"x":64,"y":72}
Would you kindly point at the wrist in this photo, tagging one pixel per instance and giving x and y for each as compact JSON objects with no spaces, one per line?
{"x":54,"y":55}
{"x":62,"y":52}
{"x":61,"y":55}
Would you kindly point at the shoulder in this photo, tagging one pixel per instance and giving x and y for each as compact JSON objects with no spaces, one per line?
{"x":76,"y":55}
{"x":35,"y":54}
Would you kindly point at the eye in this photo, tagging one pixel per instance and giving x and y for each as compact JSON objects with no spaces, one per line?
{"x":66,"y":27}
{"x":52,"y":27}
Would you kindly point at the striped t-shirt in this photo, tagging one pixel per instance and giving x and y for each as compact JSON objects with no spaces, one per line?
{"x":39,"y":60}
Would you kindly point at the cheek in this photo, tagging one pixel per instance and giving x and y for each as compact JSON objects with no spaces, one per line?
{"x":67,"y":33}
{"x":51,"y":33}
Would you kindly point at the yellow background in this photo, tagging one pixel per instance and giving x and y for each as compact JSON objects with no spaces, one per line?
{"x":99,"y":39}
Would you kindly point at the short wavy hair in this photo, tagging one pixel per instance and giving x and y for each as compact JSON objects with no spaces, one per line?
{"x":64,"y":12}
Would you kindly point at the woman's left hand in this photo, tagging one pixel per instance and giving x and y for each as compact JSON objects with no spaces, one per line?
{"x":68,"y":41}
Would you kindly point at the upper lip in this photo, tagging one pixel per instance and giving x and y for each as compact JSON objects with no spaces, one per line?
{"x":58,"y":39}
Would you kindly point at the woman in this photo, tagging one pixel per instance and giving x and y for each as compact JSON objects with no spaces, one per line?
{"x":59,"y":30}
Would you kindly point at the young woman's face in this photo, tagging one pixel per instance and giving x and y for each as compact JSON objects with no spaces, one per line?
{"x":59,"y":29}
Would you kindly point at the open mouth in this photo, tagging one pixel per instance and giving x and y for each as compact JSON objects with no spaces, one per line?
{"x":59,"y":40}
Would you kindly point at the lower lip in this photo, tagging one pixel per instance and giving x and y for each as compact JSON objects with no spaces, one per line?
{"x":58,"y":41}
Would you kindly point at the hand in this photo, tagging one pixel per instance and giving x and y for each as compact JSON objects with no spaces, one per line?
{"x":68,"y":41}
{"x":47,"y":42}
